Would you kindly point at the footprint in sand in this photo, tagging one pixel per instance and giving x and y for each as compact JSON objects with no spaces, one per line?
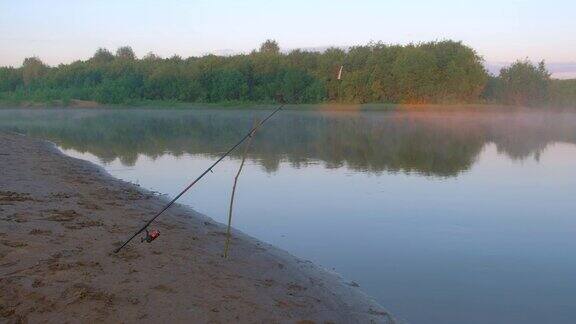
{"x":296,"y":287}
{"x":126,"y":254}
{"x":9,"y":197}
{"x":37,"y":283}
{"x":81,"y":292}
{"x":37,"y":231}
{"x":62,"y":195}
{"x":89,"y":205}
{"x":61,"y":215}
{"x":83,"y":224}
{"x":20,"y":217}
{"x":13,"y":244}
{"x":164,"y":288}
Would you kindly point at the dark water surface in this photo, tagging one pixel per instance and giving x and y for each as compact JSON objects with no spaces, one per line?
{"x":443,"y":217}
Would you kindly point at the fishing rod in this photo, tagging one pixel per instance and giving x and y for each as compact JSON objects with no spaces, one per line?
{"x":154,"y":234}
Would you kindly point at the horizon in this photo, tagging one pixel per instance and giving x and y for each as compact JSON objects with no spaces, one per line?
{"x":64,"y":31}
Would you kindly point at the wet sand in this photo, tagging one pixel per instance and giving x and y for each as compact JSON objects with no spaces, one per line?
{"x":61,"y":218}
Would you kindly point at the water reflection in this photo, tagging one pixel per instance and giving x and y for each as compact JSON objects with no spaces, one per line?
{"x":430,"y":143}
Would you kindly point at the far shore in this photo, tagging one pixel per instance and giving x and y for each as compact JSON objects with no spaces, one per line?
{"x":336,"y":106}
{"x":61,"y":218}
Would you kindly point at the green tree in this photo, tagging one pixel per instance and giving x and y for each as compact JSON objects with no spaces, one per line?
{"x":151,"y":57}
{"x":32,"y":69}
{"x":125,"y":53}
{"x":270,"y":46}
{"x":102,"y":55}
{"x":525,"y":84}
{"x":563,"y":93}
{"x":416,"y":75}
{"x":461,"y":74}
{"x":10,"y":79}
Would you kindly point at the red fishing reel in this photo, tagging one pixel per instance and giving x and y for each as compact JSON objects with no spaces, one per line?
{"x":150,"y":236}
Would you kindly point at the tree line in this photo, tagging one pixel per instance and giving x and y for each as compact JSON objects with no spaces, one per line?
{"x":426,"y":73}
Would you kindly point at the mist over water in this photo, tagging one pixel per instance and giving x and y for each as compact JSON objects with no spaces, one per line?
{"x":442,"y":216}
{"x":434,"y":143}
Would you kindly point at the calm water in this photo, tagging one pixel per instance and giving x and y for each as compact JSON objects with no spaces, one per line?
{"x":444,"y":217}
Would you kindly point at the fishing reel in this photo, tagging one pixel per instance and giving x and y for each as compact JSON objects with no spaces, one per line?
{"x":150,"y":236}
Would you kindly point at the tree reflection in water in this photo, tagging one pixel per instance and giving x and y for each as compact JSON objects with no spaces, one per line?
{"x":432,"y":143}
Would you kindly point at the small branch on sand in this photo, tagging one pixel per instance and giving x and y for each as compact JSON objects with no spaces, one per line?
{"x":229,"y":228}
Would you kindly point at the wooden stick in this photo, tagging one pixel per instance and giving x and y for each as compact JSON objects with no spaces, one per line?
{"x":228,"y":230}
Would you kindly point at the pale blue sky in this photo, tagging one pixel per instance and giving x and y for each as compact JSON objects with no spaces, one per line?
{"x":61,"y":31}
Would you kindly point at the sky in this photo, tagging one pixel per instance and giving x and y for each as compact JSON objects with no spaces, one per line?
{"x":61,"y":31}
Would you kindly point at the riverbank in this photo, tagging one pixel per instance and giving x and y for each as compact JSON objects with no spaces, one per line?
{"x":332,"y":106}
{"x":61,"y":218}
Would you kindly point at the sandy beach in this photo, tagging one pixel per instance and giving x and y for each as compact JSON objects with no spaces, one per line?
{"x":61,"y":218}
